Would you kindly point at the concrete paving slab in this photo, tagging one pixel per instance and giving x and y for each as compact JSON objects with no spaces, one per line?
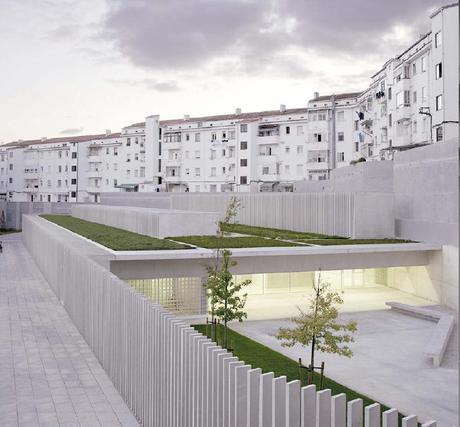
{"x":48,"y":374}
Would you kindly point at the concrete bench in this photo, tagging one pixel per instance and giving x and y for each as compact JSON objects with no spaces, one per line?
{"x":437,"y":345}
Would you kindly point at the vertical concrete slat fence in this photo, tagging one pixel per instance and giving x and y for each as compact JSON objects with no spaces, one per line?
{"x":169,"y":374}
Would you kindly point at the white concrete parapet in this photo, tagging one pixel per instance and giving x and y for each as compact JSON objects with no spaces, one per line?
{"x":150,"y":221}
{"x":170,"y":375}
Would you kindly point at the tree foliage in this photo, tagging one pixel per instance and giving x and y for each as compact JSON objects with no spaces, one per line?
{"x":318,"y":327}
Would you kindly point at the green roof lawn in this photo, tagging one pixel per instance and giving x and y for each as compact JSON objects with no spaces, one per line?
{"x":214,"y":242}
{"x":111,"y":237}
{"x":274,"y":233}
{"x":331,"y":242}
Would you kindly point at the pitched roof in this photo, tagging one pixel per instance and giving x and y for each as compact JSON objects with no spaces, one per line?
{"x":70,"y":139}
{"x":236,"y":117}
{"x":338,"y":96}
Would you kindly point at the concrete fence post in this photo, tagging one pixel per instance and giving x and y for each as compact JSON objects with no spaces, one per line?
{"x":293,"y":404}
{"x":279,"y":402}
{"x":308,"y":406}
{"x":323,"y":408}
{"x":372,"y":415}
{"x":339,"y":410}
{"x":241,"y":395}
{"x":265,"y":401}
{"x":253,"y":405}
{"x":390,"y":418}
{"x":429,"y":424}
{"x":355,"y":413}
{"x":409,"y":421}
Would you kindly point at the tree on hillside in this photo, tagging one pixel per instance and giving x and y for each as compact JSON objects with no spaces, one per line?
{"x":318,"y":327}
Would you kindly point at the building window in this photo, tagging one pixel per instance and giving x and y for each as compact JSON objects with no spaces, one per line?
{"x":73,"y":181}
{"x":438,"y":71}
{"x":243,"y":128}
{"x":243,"y":145}
{"x":414,"y":69}
{"x":74,"y":155}
{"x":115,"y":151}
{"x":340,"y":156}
{"x":265,"y":170}
{"x":213,"y":154}
{"x":423,"y":94}
{"x":414,"y":126}
{"x":299,"y":149}
{"x":299,"y":169}
{"x":73,"y":168}
{"x":438,"y":39}
{"x":197,"y":172}
{"x":288,"y":130}
{"x":197,"y":137}
{"x":197,"y":154}
{"x":340,"y":136}
{"x":243,"y":180}
{"x":243,"y":162}
{"x":231,"y":134}
{"x":340,"y":116}
{"x":423,"y":64}
{"x":390,"y":120}
{"x":187,"y":137}
{"x":389,"y":93}
{"x":213,"y":171}
{"x":439,"y":133}
{"x":317,"y":137}
{"x":356,"y":146}
{"x":214,"y":136}
{"x":128,"y":142}
{"x":414,"y":97}
{"x":439,"y":103}
{"x":286,"y":168}
{"x":356,"y":124}
{"x":299,"y":130}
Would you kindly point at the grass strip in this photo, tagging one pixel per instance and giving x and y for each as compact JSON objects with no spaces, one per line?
{"x":214,"y":242}
{"x":111,"y":237}
{"x":273,"y":233}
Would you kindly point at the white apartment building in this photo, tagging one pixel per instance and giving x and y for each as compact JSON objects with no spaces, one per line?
{"x":411,"y":101}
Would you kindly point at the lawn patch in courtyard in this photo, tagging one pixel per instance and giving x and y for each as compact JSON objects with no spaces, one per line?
{"x":260,"y":356}
{"x":8,"y":231}
{"x":111,"y":237}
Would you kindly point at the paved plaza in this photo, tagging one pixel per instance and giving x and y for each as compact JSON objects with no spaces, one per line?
{"x":388,"y":363}
{"x":48,"y":374}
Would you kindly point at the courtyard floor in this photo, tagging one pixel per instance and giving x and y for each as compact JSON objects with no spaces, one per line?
{"x":48,"y":374}
{"x":388,"y":363}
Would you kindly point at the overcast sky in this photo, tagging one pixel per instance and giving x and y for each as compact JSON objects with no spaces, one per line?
{"x":72,"y":67}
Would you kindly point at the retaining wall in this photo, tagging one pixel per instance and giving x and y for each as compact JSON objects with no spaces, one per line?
{"x":149,"y":221}
{"x":169,"y":374}
{"x":359,"y":215}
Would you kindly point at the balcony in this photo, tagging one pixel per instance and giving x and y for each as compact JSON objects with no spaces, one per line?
{"x":268,"y":139}
{"x":172,"y":162}
{"x":94,"y":173}
{"x":31,"y":175}
{"x":30,"y":189}
{"x":93,"y":189}
{"x":94,"y":159}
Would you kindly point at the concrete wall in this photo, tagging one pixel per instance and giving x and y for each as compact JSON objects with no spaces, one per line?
{"x":13,"y":211}
{"x":151,"y":222}
{"x":343,"y":214}
{"x":168,"y":374}
{"x":426,"y":193}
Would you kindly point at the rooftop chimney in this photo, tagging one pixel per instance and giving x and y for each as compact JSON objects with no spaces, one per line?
{"x":186,"y":116}
{"x":282,"y":108}
{"x":315,"y":95}
{"x":238,"y":111}
{"x":108,"y":132}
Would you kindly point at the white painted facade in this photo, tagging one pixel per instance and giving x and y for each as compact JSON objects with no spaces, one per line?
{"x":257,"y":151}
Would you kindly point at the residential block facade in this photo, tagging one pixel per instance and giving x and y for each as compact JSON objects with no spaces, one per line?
{"x":411,"y":101}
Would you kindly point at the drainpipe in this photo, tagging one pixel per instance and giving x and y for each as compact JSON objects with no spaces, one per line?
{"x":332,"y":147}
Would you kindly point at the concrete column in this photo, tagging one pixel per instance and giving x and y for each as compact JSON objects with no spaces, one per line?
{"x":231,"y":392}
{"x":409,"y":421}
{"x":225,"y":415}
{"x":241,"y":395}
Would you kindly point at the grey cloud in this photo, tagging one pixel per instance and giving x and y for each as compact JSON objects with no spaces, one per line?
{"x":182,"y":35}
{"x":150,"y":83}
{"x":71,"y":131}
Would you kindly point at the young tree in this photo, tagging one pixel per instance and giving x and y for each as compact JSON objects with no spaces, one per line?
{"x":319,"y":327}
{"x":225,"y":301}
